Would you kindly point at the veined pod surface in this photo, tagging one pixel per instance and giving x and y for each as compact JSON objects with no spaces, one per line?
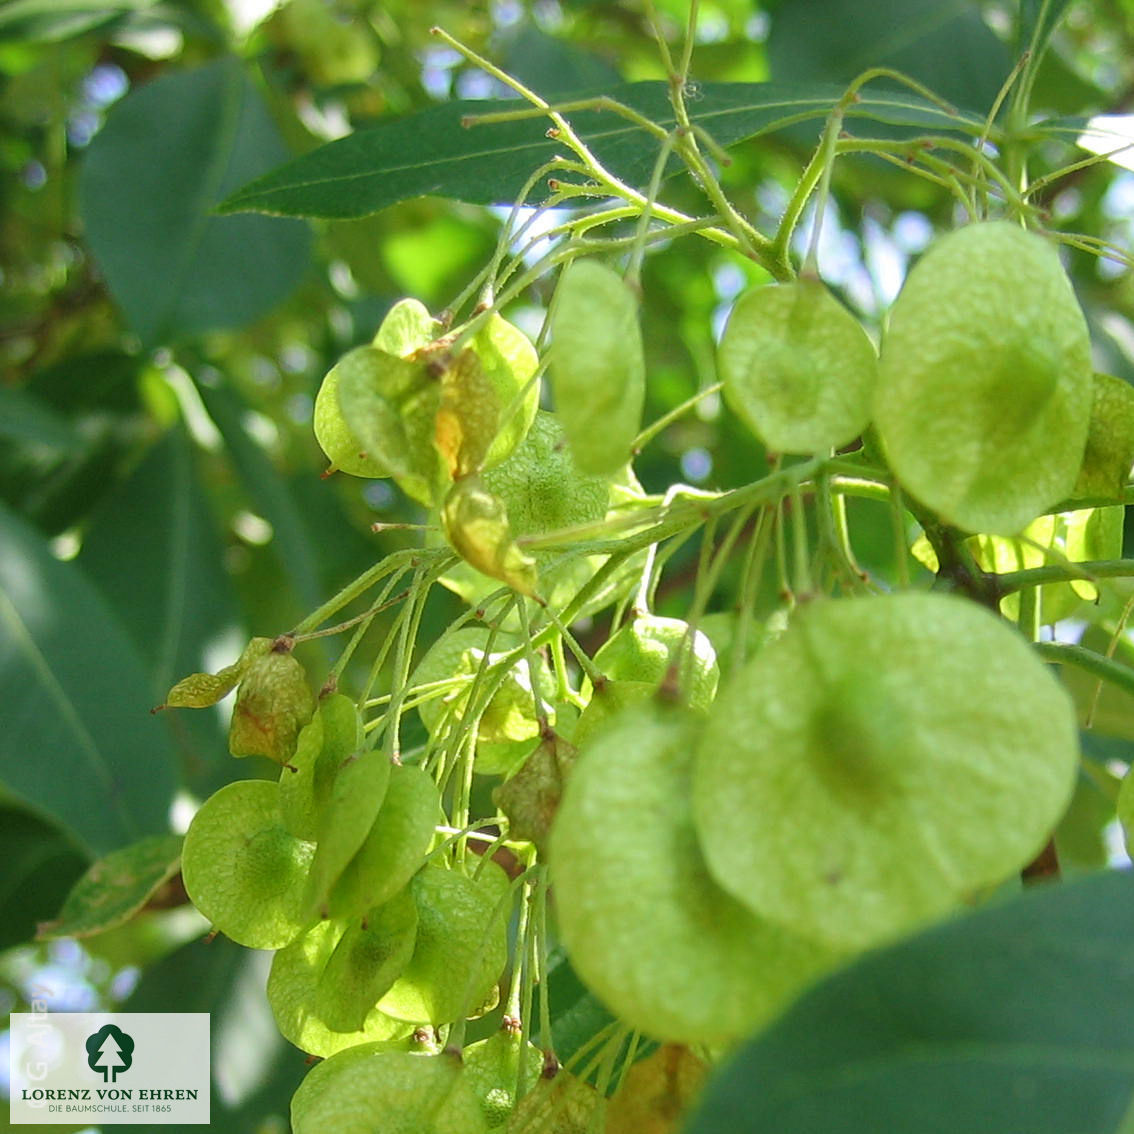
{"x":243,"y":869}
{"x":985,"y":388}
{"x":597,"y":366}
{"x":882,"y":760}
{"x":368,"y":1089}
{"x":407,"y":327}
{"x":645,"y":925}
{"x":797,"y":367}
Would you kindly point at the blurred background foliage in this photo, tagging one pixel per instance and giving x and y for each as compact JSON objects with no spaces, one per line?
{"x":160,"y":488}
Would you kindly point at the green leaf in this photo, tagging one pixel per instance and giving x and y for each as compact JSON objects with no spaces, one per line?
{"x":943,"y":43}
{"x":1014,"y":1018}
{"x":40,"y":866}
{"x":176,"y":600}
{"x":431,"y":153}
{"x":168,"y":152}
{"x":78,"y":742}
{"x":24,"y":418}
{"x":116,"y":887}
{"x":49,"y":21}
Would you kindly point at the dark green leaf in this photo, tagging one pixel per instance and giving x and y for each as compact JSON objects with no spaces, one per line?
{"x":431,"y":153}
{"x":49,"y":21}
{"x":168,"y":152}
{"x":78,"y":742}
{"x":1016,"y":1018}
{"x":270,"y":495}
{"x":944,"y":44}
{"x":40,"y":867}
{"x":255,"y":1071}
{"x":24,"y":418}
{"x":116,"y":887}
{"x":176,"y":600}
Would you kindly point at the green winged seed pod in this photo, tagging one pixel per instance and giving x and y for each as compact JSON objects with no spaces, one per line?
{"x":243,"y":869}
{"x":355,"y":800}
{"x":408,"y":326}
{"x":1109,"y":454}
{"x":461,"y":945}
{"x":509,"y":362}
{"x":371,"y":954}
{"x":395,"y":848}
{"x":797,"y":367}
{"x":333,"y":734}
{"x":645,"y":925}
{"x":390,"y":405}
{"x":884,"y":759}
{"x":985,"y":389}
{"x":597,"y":367}
{"x":645,"y":648}
{"x":296,"y":996}
{"x":369,"y":1089}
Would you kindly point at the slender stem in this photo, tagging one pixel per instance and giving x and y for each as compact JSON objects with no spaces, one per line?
{"x":1121,"y":676}
{"x":1090,"y":570}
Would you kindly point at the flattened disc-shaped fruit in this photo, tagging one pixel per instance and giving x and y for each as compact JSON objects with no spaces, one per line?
{"x":544,"y":490}
{"x":1109,"y":454}
{"x":984,"y":393}
{"x":333,"y":734}
{"x":880,"y":761}
{"x":509,"y":362}
{"x":645,"y":649}
{"x":343,"y":449}
{"x":244,"y":871}
{"x":395,"y":848}
{"x":368,"y":1090}
{"x":348,"y":817}
{"x":390,"y":404}
{"x":294,"y":997}
{"x":597,"y":368}
{"x":476,"y":524}
{"x":407,"y":327}
{"x":645,"y":925}
{"x":492,"y":1068}
{"x":368,"y":958}
{"x":797,"y":367}
{"x":461,"y":945}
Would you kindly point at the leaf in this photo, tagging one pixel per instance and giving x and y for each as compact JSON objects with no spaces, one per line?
{"x":1014,"y":1018}
{"x":24,"y":418}
{"x":431,"y":153}
{"x":40,"y":866}
{"x":78,"y":741}
{"x":943,"y":43}
{"x":49,"y":21}
{"x":116,"y":887}
{"x":176,"y":600}
{"x":168,"y":152}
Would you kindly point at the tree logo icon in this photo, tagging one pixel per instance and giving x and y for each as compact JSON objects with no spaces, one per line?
{"x":110,"y":1050}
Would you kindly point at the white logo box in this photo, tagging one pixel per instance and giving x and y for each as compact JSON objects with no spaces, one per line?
{"x":103,"y":1068}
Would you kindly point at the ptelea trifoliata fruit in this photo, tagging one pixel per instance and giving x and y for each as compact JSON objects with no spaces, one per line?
{"x":882,"y":760}
{"x":797,"y":367}
{"x":1109,"y":454}
{"x":296,"y":996}
{"x":984,"y":394}
{"x":597,"y":367}
{"x":645,"y":925}
{"x":461,"y":945}
{"x":646,"y":648}
{"x":243,"y":869}
{"x":371,"y":1091}
{"x":395,"y":848}
{"x":544,"y":490}
{"x":408,"y":326}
